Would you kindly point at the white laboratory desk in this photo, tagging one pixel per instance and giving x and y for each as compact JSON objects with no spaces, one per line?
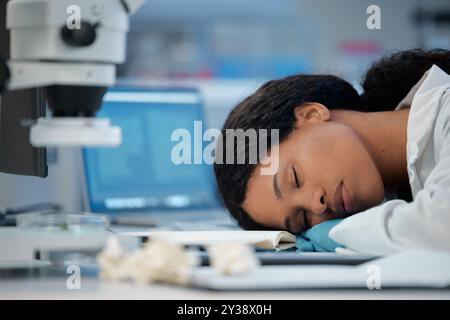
{"x":52,"y":285}
{"x":91,"y":288}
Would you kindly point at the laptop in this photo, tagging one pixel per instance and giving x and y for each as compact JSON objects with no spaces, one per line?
{"x":138,"y":183}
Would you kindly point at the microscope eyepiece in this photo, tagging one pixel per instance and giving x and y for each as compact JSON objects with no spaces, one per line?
{"x":80,"y":37}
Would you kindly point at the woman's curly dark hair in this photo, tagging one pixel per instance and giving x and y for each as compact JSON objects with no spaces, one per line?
{"x":389,"y":80}
{"x":272,"y":107}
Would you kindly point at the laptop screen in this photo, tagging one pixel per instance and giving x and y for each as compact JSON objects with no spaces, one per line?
{"x":140,"y":174}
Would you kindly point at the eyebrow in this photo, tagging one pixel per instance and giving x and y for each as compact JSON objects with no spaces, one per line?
{"x":276,"y":189}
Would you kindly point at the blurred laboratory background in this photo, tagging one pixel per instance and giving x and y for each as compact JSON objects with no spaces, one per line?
{"x":227,"y":49}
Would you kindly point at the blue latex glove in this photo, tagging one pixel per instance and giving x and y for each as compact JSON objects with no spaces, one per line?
{"x":317,"y":239}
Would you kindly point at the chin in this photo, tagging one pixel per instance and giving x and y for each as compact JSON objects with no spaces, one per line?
{"x":368,"y":206}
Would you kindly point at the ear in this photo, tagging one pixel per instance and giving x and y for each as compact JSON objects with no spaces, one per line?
{"x":311,"y":112}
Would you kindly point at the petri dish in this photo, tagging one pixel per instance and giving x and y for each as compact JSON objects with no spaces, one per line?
{"x":63,"y":222}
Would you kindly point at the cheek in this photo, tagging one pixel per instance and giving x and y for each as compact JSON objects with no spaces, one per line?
{"x":357,"y":168}
{"x":339,"y":154}
{"x":369,"y":187}
{"x":341,"y":149}
{"x":325,"y":156}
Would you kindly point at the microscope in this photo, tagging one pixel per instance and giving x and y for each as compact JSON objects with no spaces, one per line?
{"x":70,"y":48}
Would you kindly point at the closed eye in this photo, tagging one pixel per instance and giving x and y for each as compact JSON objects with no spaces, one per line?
{"x":296,"y":178}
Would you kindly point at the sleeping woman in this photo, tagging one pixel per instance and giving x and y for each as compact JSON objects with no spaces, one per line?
{"x":379,"y":162}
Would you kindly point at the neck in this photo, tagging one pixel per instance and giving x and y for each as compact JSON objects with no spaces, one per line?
{"x":384,"y":134}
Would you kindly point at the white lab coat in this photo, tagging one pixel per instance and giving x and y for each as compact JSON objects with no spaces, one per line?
{"x":425,"y":222}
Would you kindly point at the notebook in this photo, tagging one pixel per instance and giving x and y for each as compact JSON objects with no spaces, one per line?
{"x":269,"y":240}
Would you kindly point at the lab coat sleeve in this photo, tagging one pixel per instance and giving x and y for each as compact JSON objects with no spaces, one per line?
{"x":397,"y":225}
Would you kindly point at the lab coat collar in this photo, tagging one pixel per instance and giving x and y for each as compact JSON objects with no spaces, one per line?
{"x":422,"y":116}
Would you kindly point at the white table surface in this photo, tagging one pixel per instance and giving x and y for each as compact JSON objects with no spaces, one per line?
{"x":48,"y":285}
{"x":92,"y":288}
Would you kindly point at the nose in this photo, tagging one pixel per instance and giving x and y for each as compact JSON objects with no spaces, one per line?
{"x":313,"y":200}
{"x":315,"y":205}
{"x":318,"y":203}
